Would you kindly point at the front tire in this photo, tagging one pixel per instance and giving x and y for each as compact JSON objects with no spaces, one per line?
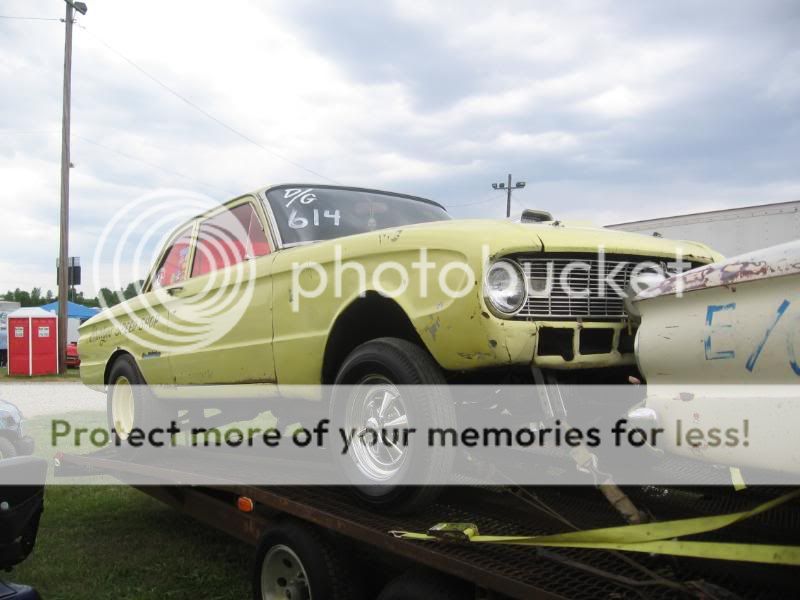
{"x":370,"y":394}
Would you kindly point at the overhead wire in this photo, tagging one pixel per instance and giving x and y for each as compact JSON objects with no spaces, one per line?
{"x":201,"y":110}
{"x":485,"y":200}
{"x":16,"y":18}
{"x":491,"y":197}
{"x":153,"y":165}
{"x":206,"y":114}
{"x":226,"y":193}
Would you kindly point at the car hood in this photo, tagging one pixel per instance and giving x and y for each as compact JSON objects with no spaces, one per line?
{"x":505,"y":237}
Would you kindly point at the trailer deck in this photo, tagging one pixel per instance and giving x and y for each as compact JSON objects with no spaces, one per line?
{"x":501,"y":571}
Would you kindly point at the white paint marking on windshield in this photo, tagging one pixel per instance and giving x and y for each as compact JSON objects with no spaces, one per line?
{"x":306,"y":196}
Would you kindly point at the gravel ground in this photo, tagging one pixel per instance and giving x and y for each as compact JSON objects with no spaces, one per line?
{"x":39,"y":399}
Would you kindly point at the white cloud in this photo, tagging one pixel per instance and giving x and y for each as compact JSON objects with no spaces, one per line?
{"x":618,"y":102}
{"x":784,"y":85}
{"x":549,"y":141}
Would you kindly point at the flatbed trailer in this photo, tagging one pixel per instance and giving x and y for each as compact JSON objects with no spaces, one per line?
{"x":377,"y":559}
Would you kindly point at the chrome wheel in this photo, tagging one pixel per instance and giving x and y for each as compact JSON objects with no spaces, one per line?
{"x":283,"y":576}
{"x":376,"y":412}
{"x":122,"y":407}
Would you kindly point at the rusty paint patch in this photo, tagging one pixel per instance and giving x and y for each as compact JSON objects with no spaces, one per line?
{"x":776,"y":261}
{"x":433,"y":328}
{"x":392,"y":236}
{"x":475,"y":355}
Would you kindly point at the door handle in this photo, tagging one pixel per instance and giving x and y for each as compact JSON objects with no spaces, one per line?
{"x":174,"y":291}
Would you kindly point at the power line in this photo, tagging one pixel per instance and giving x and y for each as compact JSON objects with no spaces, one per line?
{"x":485,"y":200}
{"x":29,"y":18}
{"x":26,"y":131}
{"x":226,"y":193}
{"x":489,"y":198}
{"x":153,"y":165}
{"x":202,"y":111}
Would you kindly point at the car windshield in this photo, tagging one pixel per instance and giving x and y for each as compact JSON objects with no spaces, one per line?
{"x":310,"y":214}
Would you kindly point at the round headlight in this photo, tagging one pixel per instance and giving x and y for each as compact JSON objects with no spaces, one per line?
{"x":640,"y":282}
{"x":504,"y":287}
{"x":646,"y":280}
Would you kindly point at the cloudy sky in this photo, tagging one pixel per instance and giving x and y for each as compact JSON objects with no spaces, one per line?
{"x":610,"y":111}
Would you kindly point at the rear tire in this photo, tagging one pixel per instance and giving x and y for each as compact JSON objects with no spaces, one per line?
{"x":372,"y":373}
{"x":130,"y":404}
{"x":7,"y":449}
{"x":416,"y":584}
{"x":296,"y":561}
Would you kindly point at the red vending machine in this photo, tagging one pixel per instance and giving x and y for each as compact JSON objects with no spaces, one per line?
{"x":32,"y":342}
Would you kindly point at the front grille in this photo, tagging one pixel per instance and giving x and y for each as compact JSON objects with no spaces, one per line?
{"x":590,"y":297}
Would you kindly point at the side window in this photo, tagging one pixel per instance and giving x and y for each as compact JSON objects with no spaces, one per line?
{"x":173,"y":267}
{"x":229,"y":238}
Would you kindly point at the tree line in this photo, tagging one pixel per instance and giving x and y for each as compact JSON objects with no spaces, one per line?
{"x":35,"y":297}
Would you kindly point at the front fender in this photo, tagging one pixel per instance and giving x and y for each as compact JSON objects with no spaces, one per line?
{"x":440,"y":292}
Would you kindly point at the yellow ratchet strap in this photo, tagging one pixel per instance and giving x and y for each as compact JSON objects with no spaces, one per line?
{"x":652,"y":538}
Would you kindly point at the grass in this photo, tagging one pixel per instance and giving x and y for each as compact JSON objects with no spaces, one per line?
{"x":72,"y":375}
{"x":101,"y":541}
{"x":41,"y":430}
{"x":113,"y":541}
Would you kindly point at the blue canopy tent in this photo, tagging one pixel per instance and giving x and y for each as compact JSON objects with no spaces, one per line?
{"x":74,"y":310}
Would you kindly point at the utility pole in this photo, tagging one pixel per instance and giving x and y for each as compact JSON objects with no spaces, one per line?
{"x":63,"y":249}
{"x":508,"y":187}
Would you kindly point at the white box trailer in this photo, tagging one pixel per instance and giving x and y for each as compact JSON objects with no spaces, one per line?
{"x":6,"y":306}
{"x":732,"y":231}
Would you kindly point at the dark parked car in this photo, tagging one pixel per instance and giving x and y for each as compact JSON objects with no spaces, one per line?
{"x":13,"y":442}
{"x":21,"y":507}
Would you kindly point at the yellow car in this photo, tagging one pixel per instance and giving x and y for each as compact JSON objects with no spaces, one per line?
{"x":316,"y":284}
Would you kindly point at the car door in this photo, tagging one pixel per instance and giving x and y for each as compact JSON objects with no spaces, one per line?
{"x":146,"y":318}
{"x":224,"y":308}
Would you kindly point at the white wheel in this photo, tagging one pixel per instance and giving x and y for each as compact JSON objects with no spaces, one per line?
{"x":122,"y":407}
{"x":130,"y":405}
{"x":283,"y":575}
{"x":295,"y":561}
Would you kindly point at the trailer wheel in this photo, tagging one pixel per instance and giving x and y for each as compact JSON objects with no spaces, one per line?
{"x":371,"y":400}
{"x":430,"y":585}
{"x":7,"y":449}
{"x":295,"y":562}
{"x":129,"y":403}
